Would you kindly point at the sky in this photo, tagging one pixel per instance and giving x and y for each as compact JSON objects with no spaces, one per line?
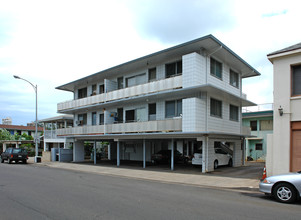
{"x":50,"y":43}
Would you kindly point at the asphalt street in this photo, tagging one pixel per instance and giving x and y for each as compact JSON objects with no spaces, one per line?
{"x":37,"y":192}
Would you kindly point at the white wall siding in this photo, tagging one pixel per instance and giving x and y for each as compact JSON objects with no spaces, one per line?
{"x":160,"y":110}
{"x":193,"y":70}
{"x":223,"y":83}
{"x":194,"y":115}
{"x":224,"y":124}
{"x":110,"y":85}
{"x":161,"y":72}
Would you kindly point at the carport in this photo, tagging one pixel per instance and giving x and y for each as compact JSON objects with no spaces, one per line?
{"x":119,"y":142}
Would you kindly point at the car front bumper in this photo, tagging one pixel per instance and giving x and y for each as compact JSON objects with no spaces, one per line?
{"x":265,"y":187}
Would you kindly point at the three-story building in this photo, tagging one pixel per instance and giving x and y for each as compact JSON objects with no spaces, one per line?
{"x":186,"y":98}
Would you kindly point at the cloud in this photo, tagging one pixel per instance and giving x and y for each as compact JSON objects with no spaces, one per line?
{"x":174,"y":21}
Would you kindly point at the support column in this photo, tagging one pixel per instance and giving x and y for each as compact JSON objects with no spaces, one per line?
{"x":244,"y":156}
{"x":187,"y":148}
{"x":94,"y":147}
{"x":109,"y":151}
{"x":205,"y":155}
{"x":4,"y":147}
{"x":45,"y":147}
{"x":118,"y":153}
{"x":172,"y":155}
{"x":144,"y":153}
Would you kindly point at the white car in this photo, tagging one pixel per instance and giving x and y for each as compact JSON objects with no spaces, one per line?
{"x":221,"y":158}
{"x":285,"y":188}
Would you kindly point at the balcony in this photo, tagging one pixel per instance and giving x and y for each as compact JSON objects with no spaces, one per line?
{"x":51,"y":134}
{"x":147,"y":88}
{"x":168,"y":125}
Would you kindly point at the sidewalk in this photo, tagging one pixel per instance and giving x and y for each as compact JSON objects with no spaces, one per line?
{"x":201,"y":180}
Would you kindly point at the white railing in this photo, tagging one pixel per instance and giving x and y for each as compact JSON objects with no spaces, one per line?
{"x":258,"y":108}
{"x":168,"y":125}
{"x":51,"y":134}
{"x":147,"y":88}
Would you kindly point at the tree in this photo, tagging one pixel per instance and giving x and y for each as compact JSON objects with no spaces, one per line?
{"x":5,"y":135}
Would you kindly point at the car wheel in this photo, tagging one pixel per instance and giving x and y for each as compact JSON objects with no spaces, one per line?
{"x":230,"y":164}
{"x":2,"y":160}
{"x":8,"y":161}
{"x":285,"y":193}
{"x":24,"y":161}
{"x":215,"y":164}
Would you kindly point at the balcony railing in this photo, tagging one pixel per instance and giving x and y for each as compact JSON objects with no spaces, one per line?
{"x":147,"y":88}
{"x":48,"y":134}
{"x":169,"y":125}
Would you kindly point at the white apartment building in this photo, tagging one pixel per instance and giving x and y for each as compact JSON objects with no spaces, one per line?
{"x":284,"y":146}
{"x":183,"y":98}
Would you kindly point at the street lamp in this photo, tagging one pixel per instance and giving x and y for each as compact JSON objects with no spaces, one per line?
{"x":35,"y":87}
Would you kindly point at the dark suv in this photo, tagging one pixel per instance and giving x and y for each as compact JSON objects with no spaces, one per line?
{"x":14,"y":154}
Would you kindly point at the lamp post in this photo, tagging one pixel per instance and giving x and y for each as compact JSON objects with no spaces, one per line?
{"x":35,"y":87}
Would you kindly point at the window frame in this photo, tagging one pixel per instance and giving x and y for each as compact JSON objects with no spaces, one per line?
{"x":230,"y":80}
{"x":94,"y":118}
{"x":177,"y":108}
{"x":237,"y":114}
{"x":213,"y":114}
{"x":152,"y":72}
{"x":259,"y":144}
{"x":293,"y":81}
{"x":84,"y":119}
{"x":178,"y":69}
{"x":252,"y":125}
{"x":213,"y":73}
{"x":82,"y":93}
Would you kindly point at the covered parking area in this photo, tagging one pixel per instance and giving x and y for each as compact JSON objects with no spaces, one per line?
{"x":141,"y":147}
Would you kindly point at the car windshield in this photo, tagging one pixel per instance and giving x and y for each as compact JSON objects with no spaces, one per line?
{"x":16,"y":151}
{"x":299,"y":172}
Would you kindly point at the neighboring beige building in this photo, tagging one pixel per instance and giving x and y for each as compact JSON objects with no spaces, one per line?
{"x":284,"y":146}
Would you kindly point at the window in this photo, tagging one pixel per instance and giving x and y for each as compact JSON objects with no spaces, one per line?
{"x":152,"y":112}
{"x":234,"y":79}
{"x":82,"y":119}
{"x":120,"y":115}
{"x":173,"y":108}
{"x":130,"y":116}
{"x":93,"y":89}
{"x":173,"y":69}
{"x":266,"y":125}
{"x":101,"y":119}
{"x":258,"y":146}
{"x":296,"y":80}
{"x":101,"y":89}
{"x":253,"y":125}
{"x":152,"y":74}
{"x":215,"y":108}
{"x":216,"y":68}
{"x":82,"y":93}
{"x":233,"y":113}
{"x":136,"y":80}
{"x":93,"y":118}
{"x":120,"y":82}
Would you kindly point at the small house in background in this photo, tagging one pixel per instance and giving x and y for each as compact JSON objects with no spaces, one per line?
{"x":52,"y":142}
{"x":261,"y":124}
{"x":18,"y":129}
